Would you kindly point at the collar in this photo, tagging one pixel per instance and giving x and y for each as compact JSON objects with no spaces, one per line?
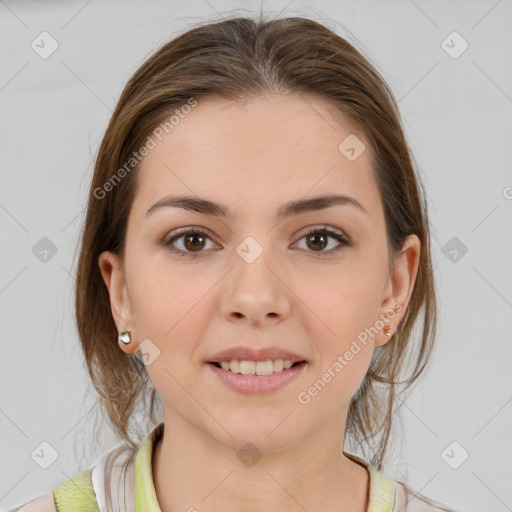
{"x":381,"y":498}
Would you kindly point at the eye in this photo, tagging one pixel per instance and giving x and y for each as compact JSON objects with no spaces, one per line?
{"x":318,"y":239}
{"x":193,"y":242}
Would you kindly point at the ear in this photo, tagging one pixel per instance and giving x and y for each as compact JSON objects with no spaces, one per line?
{"x":399,"y":288}
{"x":113,"y":274}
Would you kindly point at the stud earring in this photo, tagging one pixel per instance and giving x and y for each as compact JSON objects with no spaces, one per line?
{"x":387,"y":330}
{"x":125,"y":337}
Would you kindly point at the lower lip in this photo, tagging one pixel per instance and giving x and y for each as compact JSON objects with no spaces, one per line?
{"x":257,"y":384}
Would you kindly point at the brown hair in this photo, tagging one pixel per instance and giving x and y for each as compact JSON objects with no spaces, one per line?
{"x":240,"y":58}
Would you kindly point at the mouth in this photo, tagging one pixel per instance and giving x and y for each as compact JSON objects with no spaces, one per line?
{"x":255,"y":377}
{"x":258,"y":368}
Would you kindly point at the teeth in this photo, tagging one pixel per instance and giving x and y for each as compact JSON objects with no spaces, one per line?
{"x":256,"y":367}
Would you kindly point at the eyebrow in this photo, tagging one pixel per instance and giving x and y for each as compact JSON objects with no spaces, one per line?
{"x":288,"y":209}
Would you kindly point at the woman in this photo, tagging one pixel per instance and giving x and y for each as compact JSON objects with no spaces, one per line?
{"x":255,"y":255}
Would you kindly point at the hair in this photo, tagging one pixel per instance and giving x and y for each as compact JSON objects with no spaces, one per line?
{"x":241,"y":58}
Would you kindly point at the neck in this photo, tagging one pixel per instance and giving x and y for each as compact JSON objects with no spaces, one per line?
{"x":192,"y":471}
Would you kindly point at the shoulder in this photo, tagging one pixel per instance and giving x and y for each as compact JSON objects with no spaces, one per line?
{"x":45,"y":502}
{"x":76,"y":494}
{"x":408,"y":500}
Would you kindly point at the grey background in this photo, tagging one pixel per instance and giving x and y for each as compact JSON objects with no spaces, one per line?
{"x":457,"y":114}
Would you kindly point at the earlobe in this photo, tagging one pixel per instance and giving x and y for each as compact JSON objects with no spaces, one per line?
{"x":399,"y":290}
{"x":114,"y":278}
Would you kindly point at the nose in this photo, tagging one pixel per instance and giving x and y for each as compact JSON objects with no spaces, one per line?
{"x":256,"y":289}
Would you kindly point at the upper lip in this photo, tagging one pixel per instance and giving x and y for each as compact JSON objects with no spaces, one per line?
{"x":250,"y":354}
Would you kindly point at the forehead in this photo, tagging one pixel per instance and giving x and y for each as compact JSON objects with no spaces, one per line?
{"x":258,"y":153}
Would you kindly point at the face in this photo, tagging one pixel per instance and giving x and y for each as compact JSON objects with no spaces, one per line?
{"x":314,"y":282}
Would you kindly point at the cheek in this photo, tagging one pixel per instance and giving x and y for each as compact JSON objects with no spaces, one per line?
{"x":351,"y":312}
{"x":167,"y":303}
{"x":347,"y":303}
{"x":332,"y":387}
{"x":169,"y":312}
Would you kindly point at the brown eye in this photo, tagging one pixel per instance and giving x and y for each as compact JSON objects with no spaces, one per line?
{"x":193,"y":241}
{"x":318,"y":239}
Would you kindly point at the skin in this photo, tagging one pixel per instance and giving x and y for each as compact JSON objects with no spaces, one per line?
{"x":253,"y":156}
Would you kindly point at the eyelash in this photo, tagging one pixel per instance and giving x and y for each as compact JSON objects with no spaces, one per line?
{"x":195,"y":231}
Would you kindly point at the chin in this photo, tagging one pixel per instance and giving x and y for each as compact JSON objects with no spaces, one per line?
{"x":265,"y":436}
